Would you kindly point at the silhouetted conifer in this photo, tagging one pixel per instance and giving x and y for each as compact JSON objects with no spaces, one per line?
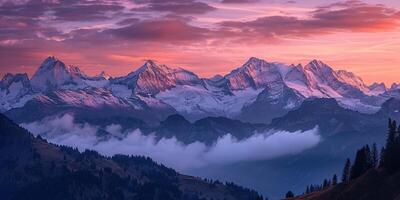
{"x":390,"y":147}
{"x":362,"y":162}
{"x":334,"y":179}
{"x":346,"y":171}
{"x":390,"y":155}
{"x":289,"y":194}
{"x":375,"y":156}
{"x":382,"y":157}
{"x":325,"y":184}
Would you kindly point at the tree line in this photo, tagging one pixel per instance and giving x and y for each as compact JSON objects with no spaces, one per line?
{"x":367,"y":158}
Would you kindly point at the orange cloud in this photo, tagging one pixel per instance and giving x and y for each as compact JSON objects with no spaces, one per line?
{"x":351,"y":34}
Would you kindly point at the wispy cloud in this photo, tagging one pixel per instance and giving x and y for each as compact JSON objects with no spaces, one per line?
{"x":207,"y":35}
{"x":173,"y":6}
{"x":171,"y":152}
{"x":351,"y":16}
{"x":239,"y":1}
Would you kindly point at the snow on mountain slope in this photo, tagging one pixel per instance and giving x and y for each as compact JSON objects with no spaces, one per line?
{"x":351,"y":79}
{"x":101,"y":80}
{"x":391,"y":93}
{"x":377,"y":88}
{"x":323,"y":79}
{"x":255,"y":73}
{"x":335,"y":84}
{"x":360,"y":105}
{"x":120,"y":90}
{"x":95,"y":97}
{"x":256,"y":87}
{"x":395,"y":86}
{"x":102,"y":76}
{"x":274,"y":101}
{"x":15,"y":90}
{"x":10,"y":79}
{"x":54,"y":74}
{"x":195,"y":102}
{"x":348,"y":89}
{"x":315,"y":80}
{"x":152,"y":78}
{"x":302,"y":81}
{"x":296,"y":75}
{"x":154,"y":103}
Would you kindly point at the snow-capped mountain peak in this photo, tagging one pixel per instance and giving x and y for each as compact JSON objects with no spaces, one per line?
{"x":49,"y":63}
{"x":320,"y":69}
{"x":103,"y":75}
{"x":323,"y":73}
{"x":254,"y":61}
{"x":334,"y":84}
{"x":152,"y":78}
{"x":148,"y":79}
{"x":296,"y":75}
{"x":256,"y":86}
{"x":395,"y":86}
{"x":216,"y":78}
{"x":377,"y":88}
{"x":317,"y":63}
{"x":153,"y":67}
{"x":53,"y":74}
{"x":15,"y":90}
{"x":255,"y":73}
{"x":351,"y":79}
{"x":9,"y":79}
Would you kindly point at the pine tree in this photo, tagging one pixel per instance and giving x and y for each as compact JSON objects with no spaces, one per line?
{"x":346,"y":171}
{"x":260,"y":198}
{"x":375,"y":156}
{"x":308,"y":190}
{"x":334,"y":180}
{"x":368,"y":158}
{"x":325,"y":184}
{"x":382,"y":157}
{"x":362,"y":162}
{"x":390,"y":156}
{"x":391,"y":140}
{"x":289,"y":194}
{"x":396,"y":154}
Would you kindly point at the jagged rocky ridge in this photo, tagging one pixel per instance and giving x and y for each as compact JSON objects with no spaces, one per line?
{"x":154,"y":91}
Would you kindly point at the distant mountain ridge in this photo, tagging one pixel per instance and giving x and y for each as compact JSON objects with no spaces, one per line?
{"x":245,"y":93}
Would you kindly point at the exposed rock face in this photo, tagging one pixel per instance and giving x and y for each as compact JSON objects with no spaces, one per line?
{"x":246,"y":93}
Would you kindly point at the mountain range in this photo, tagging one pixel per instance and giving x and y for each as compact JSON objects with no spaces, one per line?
{"x":256,"y":92}
{"x":257,"y":96}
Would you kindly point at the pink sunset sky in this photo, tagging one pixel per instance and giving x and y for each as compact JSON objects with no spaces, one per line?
{"x":207,"y":37}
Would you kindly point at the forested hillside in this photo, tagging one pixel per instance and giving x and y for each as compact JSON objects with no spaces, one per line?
{"x":31,"y":168}
{"x":370,"y":176}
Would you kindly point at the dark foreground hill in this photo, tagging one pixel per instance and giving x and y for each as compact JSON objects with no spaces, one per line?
{"x":31,"y":168}
{"x":370,"y":176}
{"x":373,"y":185}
